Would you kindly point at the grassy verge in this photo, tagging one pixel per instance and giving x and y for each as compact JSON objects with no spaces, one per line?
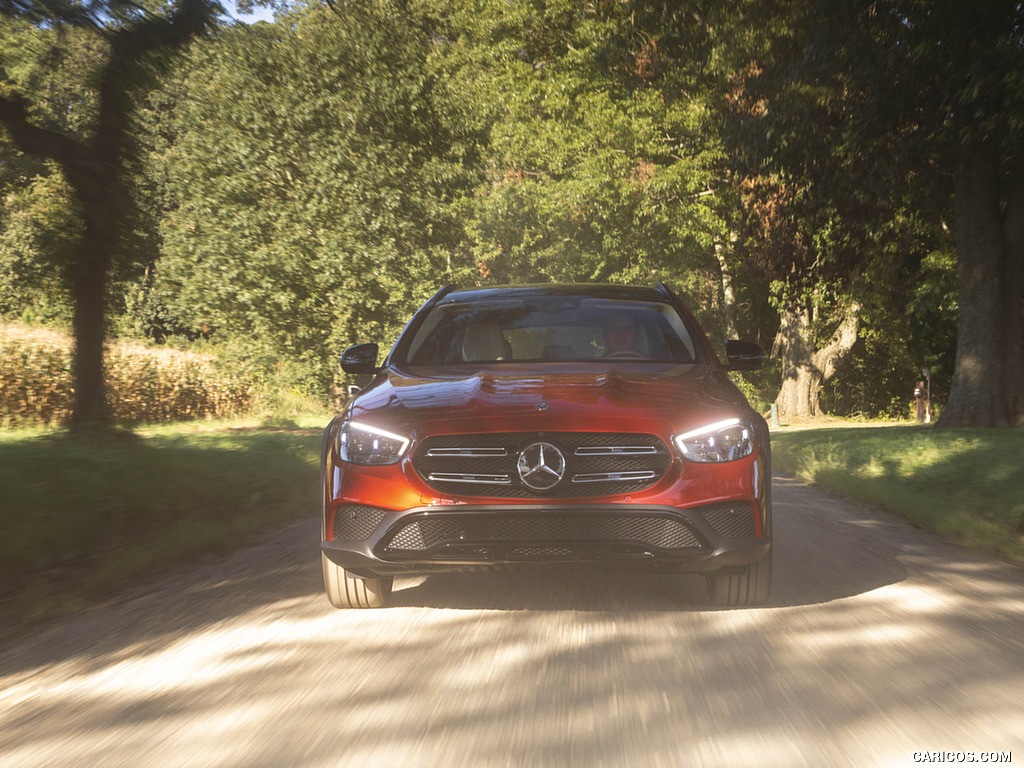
{"x":80,"y":518}
{"x":965,"y":484}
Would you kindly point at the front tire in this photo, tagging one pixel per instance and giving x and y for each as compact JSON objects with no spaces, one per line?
{"x":743,"y":589}
{"x":346,"y":591}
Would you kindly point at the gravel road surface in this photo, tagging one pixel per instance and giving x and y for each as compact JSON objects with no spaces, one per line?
{"x":880,"y":642}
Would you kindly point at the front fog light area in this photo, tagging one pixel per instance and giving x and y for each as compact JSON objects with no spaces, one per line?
{"x":362,"y":444}
{"x":722,"y":441}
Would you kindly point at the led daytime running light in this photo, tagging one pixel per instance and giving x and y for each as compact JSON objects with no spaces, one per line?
{"x":709,"y":428}
{"x":382,"y":432}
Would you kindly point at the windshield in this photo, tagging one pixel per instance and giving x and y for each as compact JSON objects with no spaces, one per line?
{"x":550,"y":328}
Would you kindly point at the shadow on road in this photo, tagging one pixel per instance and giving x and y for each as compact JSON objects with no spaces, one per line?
{"x":277,"y":568}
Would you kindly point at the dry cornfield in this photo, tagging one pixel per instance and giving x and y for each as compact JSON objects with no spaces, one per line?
{"x":143,"y":384}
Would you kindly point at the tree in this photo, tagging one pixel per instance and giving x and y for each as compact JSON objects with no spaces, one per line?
{"x":925,"y":105}
{"x":603,"y":156}
{"x":313,"y":167}
{"x":134,"y":38}
{"x":792,"y":238}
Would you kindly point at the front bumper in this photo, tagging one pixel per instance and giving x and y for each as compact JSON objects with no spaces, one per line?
{"x":371,"y":542}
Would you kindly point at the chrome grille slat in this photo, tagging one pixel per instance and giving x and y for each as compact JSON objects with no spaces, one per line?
{"x":468,"y":453}
{"x":616,"y":450}
{"x":455,"y":477}
{"x":609,"y":477}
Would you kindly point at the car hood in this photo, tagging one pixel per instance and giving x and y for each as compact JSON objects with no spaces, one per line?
{"x":555,"y":396}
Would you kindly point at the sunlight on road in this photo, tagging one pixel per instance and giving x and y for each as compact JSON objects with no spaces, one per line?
{"x":917,"y":598}
{"x":401,"y":686}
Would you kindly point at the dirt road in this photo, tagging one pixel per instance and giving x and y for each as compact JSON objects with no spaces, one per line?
{"x":880,"y":642}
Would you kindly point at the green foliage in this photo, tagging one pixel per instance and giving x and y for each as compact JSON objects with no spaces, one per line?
{"x":55,"y":67}
{"x":936,"y":78}
{"x":310,"y":185}
{"x":599,"y":169}
{"x":39,"y":224}
{"x":760,"y":387}
{"x":878,"y":379}
{"x":909,"y":324}
{"x":848,"y":139}
{"x":125,"y":43}
{"x":39,"y":232}
{"x":931,"y":311}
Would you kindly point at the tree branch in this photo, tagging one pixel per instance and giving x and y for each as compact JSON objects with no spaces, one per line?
{"x":33,"y":139}
{"x":162,"y":32}
{"x":827,"y":358}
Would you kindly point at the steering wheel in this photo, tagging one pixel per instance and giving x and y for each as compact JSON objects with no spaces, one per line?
{"x":627,"y":353}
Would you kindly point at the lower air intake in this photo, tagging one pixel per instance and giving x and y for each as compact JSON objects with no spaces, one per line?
{"x":731,"y":520}
{"x":540,"y":535}
{"x":357,"y":522}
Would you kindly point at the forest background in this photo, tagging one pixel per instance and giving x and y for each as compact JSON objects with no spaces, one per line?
{"x":841,"y":182}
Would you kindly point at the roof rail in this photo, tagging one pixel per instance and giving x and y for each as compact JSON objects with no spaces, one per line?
{"x":664,"y":290}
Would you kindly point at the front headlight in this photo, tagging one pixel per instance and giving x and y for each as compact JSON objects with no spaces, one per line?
{"x":722,"y":441}
{"x":362,"y":444}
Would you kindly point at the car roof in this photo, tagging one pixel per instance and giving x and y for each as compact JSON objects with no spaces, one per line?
{"x":594,"y":290}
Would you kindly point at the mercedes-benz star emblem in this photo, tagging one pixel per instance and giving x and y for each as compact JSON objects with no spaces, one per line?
{"x":541,"y":466}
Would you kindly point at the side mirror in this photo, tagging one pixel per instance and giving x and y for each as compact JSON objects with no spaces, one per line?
{"x":360,"y":358}
{"x":743,"y":355}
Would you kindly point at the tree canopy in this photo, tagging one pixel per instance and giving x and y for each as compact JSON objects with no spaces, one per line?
{"x":840,"y":181}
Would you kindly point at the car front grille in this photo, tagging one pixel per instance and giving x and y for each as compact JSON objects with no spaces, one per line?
{"x":494,"y":464}
{"x":544,"y":535}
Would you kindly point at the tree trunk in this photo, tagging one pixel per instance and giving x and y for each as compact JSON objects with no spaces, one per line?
{"x":89,"y":278}
{"x":988,"y":383}
{"x":792,"y":345}
{"x":728,"y":295}
{"x":99,"y":190}
{"x":804,"y":369}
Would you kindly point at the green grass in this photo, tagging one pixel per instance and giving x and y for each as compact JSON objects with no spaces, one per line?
{"x":965,"y":484}
{"x":81,"y":518}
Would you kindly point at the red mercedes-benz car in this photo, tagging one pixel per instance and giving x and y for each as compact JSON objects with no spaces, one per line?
{"x":525,"y":426}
